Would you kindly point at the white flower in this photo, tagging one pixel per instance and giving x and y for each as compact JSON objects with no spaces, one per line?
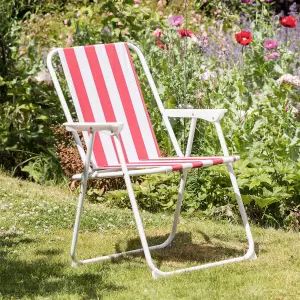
{"x":206,"y":76}
{"x":43,"y":76}
{"x":288,"y":78}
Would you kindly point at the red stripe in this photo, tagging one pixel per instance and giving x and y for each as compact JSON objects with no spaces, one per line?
{"x":176,"y":167}
{"x":143,"y":101}
{"x":84,"y":102}
{"x":218,"y":161}
{"x":197,"y":164}
{"x":101,"y":89}
{"x":126,"y":101}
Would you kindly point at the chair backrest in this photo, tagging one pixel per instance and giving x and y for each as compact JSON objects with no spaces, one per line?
{"x":104,"y":87}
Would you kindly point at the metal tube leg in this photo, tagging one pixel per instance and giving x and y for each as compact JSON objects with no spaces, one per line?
{"x":134,"y":206}
{"x":250,"y":253}
{"x":83,"y":186}
{"x":177,"y":211}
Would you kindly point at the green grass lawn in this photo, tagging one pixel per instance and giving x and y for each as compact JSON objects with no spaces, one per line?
{"x":35,"y":235}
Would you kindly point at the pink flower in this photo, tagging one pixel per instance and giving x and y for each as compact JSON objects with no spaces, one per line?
{"x":160,"y":13}
{"x":286,"y":108}
{"x":157,"y":33}
{"x":246,"y":1}
{"x":69,"y":40}
{"x":270,"y":44}
{"x":22,"y":50}
{"x":61,"y":36}
{"x":272,"y":56}
{"x":217,"y":12}
{"x":137,"y":1}
{"x":175,"y":21}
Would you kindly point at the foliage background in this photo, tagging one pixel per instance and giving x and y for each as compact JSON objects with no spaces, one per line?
{"x":209,"y":71}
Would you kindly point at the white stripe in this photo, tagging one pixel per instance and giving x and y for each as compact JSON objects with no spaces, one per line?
{"x":116,"y":102}
{"x":74,"y":97}
{"x":137,"y":101}
{"x":94,"y":100}
{"x":165,"y":163}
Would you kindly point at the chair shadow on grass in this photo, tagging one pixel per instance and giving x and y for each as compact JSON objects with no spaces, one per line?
{"x":182,"y":249}
{"x":44,"y":275}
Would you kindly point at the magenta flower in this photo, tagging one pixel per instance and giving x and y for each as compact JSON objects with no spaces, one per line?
{"x":268,"y":1}
{"x":270,"y":44}
{"x":175,"y":21}
{"x":246,"y":1}
{"x":272,"y":56}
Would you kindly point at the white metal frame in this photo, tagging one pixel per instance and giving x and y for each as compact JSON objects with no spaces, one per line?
{"x":211,"y":115}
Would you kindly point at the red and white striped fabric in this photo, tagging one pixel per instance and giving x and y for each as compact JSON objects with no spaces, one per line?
{"x":178,"y":163}
{"x":104,"y":87}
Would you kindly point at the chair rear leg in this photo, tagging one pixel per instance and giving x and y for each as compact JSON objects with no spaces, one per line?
{"x":169,"y":240}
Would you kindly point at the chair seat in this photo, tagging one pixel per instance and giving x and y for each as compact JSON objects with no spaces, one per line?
{"x":159,"y":165}
{"x":177,"y":163}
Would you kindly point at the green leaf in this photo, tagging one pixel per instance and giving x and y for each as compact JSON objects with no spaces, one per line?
{"x":278,"y":69}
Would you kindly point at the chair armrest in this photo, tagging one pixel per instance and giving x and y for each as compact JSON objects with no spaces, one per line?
{"x":111,"y":128}
{"x":211,"y":115}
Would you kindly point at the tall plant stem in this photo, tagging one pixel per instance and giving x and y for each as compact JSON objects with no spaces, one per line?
{"x":242,"y":61}
{"x":240,"y":102}
{"x":184,"y":61}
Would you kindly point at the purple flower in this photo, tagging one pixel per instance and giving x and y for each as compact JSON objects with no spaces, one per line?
{"x":246,"y":1}
{"x":270,"y":44}
{"x":293,"y":10}
{"x":268,"y":1}
{"x":175,"y":21}
{"x":272,"y":56}
{"x":106,"y":30}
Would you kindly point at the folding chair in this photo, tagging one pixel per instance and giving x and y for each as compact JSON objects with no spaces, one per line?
{"x":120,"y":139}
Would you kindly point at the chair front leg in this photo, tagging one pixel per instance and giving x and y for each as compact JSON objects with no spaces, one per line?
{"x":134,"y":206}
{"x":83,"y":187}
